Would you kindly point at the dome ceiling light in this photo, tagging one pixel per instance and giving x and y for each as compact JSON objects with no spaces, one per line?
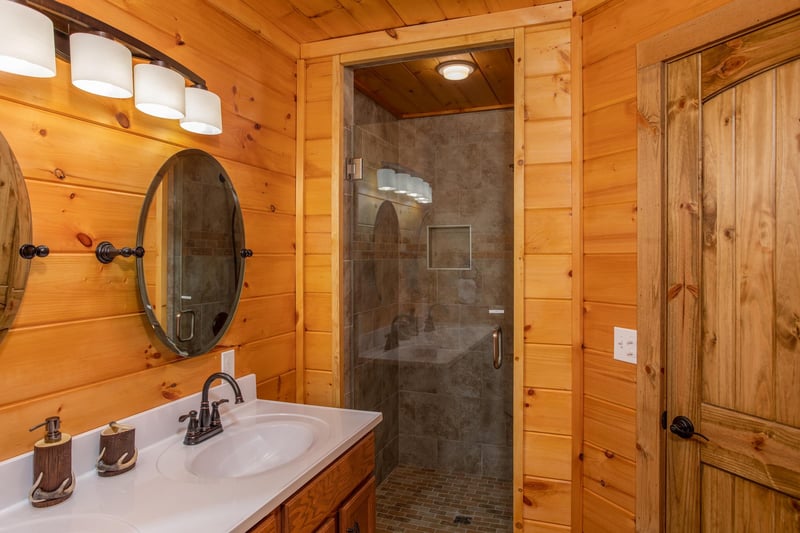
{"x":456,"y":70}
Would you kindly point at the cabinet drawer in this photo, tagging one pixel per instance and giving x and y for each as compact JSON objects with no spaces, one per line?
{"x":320,"y":498}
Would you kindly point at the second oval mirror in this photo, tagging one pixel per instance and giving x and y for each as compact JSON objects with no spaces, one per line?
{"x":15,"y":230}
{"x":191,"y":275}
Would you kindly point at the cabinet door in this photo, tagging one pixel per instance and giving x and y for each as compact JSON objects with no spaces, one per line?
{"x":328,"y":527}
{"x":268,"y":525}
{"x":357,"y":515}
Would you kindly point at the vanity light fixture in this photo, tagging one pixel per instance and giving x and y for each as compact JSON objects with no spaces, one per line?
{"x":203,"y":111}
{"x":403,"y":183}
{"x":27,"y":41}
{"x":100,"y":65}
{"x":455,"y":70}
{"x":387,"y":180}
{"x":33,"y":32}
{"x":415,"y":187}
{"x":158,"y":90}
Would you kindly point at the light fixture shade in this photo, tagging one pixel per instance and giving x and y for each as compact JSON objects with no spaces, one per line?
{"x":455,"y":70}
{"x":203,"y":112}
{"x":387,"y":180}
{"x":415,"y":187}
{"x":159,"y":91}
{"x":100,"y":65}
{"x":403,"y":182}
{"x":425,"y":194}
{"x":27,"y":44}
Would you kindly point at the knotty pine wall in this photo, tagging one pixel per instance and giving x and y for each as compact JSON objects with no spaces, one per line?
{"x":81,"y":346}
{"x":611,"y":31}
{"x":548,"y":307}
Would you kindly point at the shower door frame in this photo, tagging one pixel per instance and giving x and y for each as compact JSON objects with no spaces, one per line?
{"x":509,"y":31}
{"x":513,"y":38}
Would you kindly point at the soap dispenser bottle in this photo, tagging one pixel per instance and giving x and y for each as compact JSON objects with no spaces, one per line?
{"x":53,"y":479}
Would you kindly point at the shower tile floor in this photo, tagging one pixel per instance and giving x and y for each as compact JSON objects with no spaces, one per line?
{"x":418,"y":500}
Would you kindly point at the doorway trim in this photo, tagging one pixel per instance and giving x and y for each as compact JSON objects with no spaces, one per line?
{"x":462,"y":36}
{"x":737,"y":17}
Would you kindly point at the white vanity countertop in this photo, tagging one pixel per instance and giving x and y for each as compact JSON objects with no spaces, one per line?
{"x":146,"y":500}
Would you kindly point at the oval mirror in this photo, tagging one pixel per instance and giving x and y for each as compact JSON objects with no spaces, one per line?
{"x":191,"y":275}
{"x":15,"y":230}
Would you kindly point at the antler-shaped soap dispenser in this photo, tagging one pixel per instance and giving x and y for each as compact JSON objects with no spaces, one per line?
{"x":53,"y":478}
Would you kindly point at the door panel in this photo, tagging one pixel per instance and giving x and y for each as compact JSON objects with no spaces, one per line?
{"x":733,"y":314}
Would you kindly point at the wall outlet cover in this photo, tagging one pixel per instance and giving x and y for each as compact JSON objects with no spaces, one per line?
{"x":229,"y":362}
{"x":625,"y":345}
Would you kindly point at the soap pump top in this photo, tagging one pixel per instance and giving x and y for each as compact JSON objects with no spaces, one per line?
{"x":52,"y":429}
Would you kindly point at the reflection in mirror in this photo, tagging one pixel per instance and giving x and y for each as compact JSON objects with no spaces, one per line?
{"x":191,"y":275}
{"x":15,"y":230}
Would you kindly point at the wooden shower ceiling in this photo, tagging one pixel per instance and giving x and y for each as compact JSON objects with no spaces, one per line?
{"x":414,"y":88}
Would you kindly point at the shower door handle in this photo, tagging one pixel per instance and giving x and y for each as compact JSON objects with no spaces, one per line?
{"x":497,"y":347}
{"x":178,"y":320}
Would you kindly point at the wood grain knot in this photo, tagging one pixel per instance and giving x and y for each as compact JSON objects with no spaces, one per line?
{"x":602,"y":482}
{"x":674,"y":291}
{"x":43,"y":132}
{"x":732,"y":65}
{"x":272,"y":208}
{"x":609,"y":454}
{"x":531,"y":392}
{"x":84,"y":239}
{"x":123,"y":120}
{"x":758,"y":442}
{"x":691,"y":207}
{"x":179,"y":39}
{"x":693,"y":290}
{"x":527,"y":501}
{"x":256,"y":126}
{"x":59,"y":174}
{"x":648,"y":370}
{"x":391,"y":32}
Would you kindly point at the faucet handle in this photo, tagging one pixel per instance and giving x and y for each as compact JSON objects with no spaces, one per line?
{"x":192,"y":416}
{"x":215,"y":418}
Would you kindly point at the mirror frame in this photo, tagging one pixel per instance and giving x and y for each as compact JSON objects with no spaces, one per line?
{"x":18,"y":267}
{"x":140,"y":275}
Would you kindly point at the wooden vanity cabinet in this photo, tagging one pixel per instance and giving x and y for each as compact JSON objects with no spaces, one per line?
{"x":332,"y":502}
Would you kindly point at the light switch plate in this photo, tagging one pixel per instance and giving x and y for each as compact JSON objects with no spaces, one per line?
{"x":625,"y":345}
{"x":229,"y":362}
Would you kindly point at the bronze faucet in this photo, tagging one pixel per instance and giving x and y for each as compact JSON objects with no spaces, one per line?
{"x":209,"y":422}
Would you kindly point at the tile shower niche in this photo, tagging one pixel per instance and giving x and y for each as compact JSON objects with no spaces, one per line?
{"x":449,"y":247}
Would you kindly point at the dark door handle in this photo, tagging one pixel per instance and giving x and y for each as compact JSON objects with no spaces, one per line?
{"x":682,"y":426}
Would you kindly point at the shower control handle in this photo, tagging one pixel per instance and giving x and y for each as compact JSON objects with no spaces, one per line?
{"x":497,"y":347}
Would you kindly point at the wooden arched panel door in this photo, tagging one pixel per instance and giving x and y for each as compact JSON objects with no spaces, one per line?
{"x":733,"y":285}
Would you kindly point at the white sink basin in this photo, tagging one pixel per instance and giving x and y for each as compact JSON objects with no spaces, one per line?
{"x":86,"y":523}
{"x":247,"y":447}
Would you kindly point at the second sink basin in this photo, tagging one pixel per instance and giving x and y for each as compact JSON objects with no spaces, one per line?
{"x":247,"y":447}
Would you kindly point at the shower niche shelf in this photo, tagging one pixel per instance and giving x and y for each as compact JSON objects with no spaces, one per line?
{"x":449,"y":247}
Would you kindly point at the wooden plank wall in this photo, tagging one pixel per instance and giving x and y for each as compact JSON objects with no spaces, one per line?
{"x":548,"y":315}
{"x":318,"y":357}
{"x":611,"y":31}
{"x":81,"y":346}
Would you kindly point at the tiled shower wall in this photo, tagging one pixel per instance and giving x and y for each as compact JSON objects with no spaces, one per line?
{"x":455,"y":408}
{"x":444,"y":405}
